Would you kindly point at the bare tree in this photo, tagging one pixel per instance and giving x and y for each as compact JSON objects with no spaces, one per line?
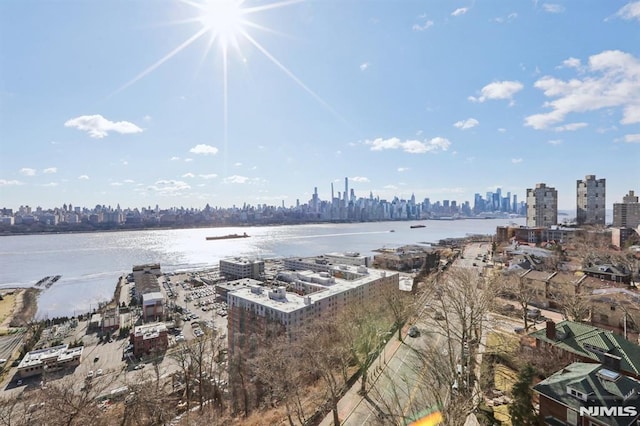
{"x":277,"y":366}
{"x":400,"y":305}
{"x":328,"y":358}
{"x":512,"y":286}
{"x":363,"y":329}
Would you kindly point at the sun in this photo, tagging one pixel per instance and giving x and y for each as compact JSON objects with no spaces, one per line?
{"x":223,"y":19}
{"x":226,"y":23}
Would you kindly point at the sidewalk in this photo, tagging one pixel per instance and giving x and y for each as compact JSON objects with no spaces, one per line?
{"x":351,"y":399}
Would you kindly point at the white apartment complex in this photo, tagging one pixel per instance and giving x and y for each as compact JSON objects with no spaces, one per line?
{"x":590,"y":201}
{"x":542,"y":206}
{"x":318,"y":294}
{"x":238,"y":267}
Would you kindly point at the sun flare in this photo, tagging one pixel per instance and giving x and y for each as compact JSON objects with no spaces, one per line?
{"x":223,"y":19}
{"x":227,"y":23}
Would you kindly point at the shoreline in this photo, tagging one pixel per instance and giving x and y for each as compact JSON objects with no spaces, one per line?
{"x":242,"y":225}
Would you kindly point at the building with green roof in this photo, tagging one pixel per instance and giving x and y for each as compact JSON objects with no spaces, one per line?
{"x":576,"y":341}
{"x":588,"y":394}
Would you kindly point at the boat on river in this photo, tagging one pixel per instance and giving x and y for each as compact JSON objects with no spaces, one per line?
{"x":228,"y":237}
{"x":417,"y":226}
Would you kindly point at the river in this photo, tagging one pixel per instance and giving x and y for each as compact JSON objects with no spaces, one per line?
{"x":90,"y":263}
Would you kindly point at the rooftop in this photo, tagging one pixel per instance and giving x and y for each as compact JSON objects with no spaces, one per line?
{"x":48,"y":355}
{"x":586,"y":385}
{"x":279,"y":300}
{"x":593,"y":342}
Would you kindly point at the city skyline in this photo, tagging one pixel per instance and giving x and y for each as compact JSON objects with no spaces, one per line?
{"x":186,"y":103}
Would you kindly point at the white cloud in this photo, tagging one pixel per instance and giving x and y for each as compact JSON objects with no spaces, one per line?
{"x":570,"y":127}
{"x":50,"y":184}
{"x":99,"y":127}
{"x":4,"y":182}
{"x":410,"y":146}
{"x":237,"y":164}
{"x":427,"y":24}
{"x":364,"y":66}
{"x":147,"y":117}
{"x":610,"y":80}
{"x":629,"y":11}
{"x":26,"y":171}
{"x":169,"y":187}
{"x":516,"y":160}
{"x":498,"y":90}
{"x":360,"y":179}
{"x":403,"y":169}
{"x":129,"y":181}
{"x":188,"y":160}
{"x":83,"y":177}
{"x":390,"y":187}
{"x":116,"y":183}
{"x":188,"y":175}
{"x":635,"y":138}
{"x":552,"y":8}
{"x":236,"y":179}
{"x":204,"y":149}
{"x":460,"y":11}
{"x":571,"y":63}
{"x":209,"y":176}
{"x":466,"y":124}
{"x":555,"y":141}
{"x":502,"y":129}
{"x":174,"y":158}
{"x":509,"y":18}
{"x":50,"y":170}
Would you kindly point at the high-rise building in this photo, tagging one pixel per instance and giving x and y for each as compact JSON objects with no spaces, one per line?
{"x":346,"y":191}
{"x":542,"y":206}
{"x":590,"y":201}
{"x":627,"y":213}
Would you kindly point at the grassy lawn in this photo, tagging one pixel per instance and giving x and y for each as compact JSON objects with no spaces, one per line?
{"x":502,"y":342}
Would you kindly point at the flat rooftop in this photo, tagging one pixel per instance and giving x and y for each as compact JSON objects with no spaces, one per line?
{"x":292,"y":301}
{"x":52,"y":354}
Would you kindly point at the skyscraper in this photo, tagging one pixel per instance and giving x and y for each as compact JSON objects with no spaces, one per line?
{"x":346,"y":191}
{"x":542,"y":206}
{"x":627,"y":213}
{"x":590,"y":201}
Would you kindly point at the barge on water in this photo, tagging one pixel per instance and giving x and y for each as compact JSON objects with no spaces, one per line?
{"x":228,"y":237}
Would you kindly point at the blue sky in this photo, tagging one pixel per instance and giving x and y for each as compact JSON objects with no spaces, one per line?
{"x":129,"y":102}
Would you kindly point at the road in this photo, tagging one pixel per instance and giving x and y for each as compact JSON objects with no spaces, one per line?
{"x":396,"y":377}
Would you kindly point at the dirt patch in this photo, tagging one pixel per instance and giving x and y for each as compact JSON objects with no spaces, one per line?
{"x":7,"y":305}
{"x":26,"y":307}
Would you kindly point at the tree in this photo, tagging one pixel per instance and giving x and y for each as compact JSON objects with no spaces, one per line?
{"x":521,"y":409}
{"x":400,"y":306}
{"x":327,"y":357}
{"x":514,"y":287}
{"x":363,"y":328}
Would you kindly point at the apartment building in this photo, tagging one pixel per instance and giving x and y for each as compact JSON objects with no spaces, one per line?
{"x":542,"y":206}
{"x":239,"y":267}
{"x":627,"y":213}
{"x":590,"y":200}
{"x":149,"y":338}
{"x":256,"y":310}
